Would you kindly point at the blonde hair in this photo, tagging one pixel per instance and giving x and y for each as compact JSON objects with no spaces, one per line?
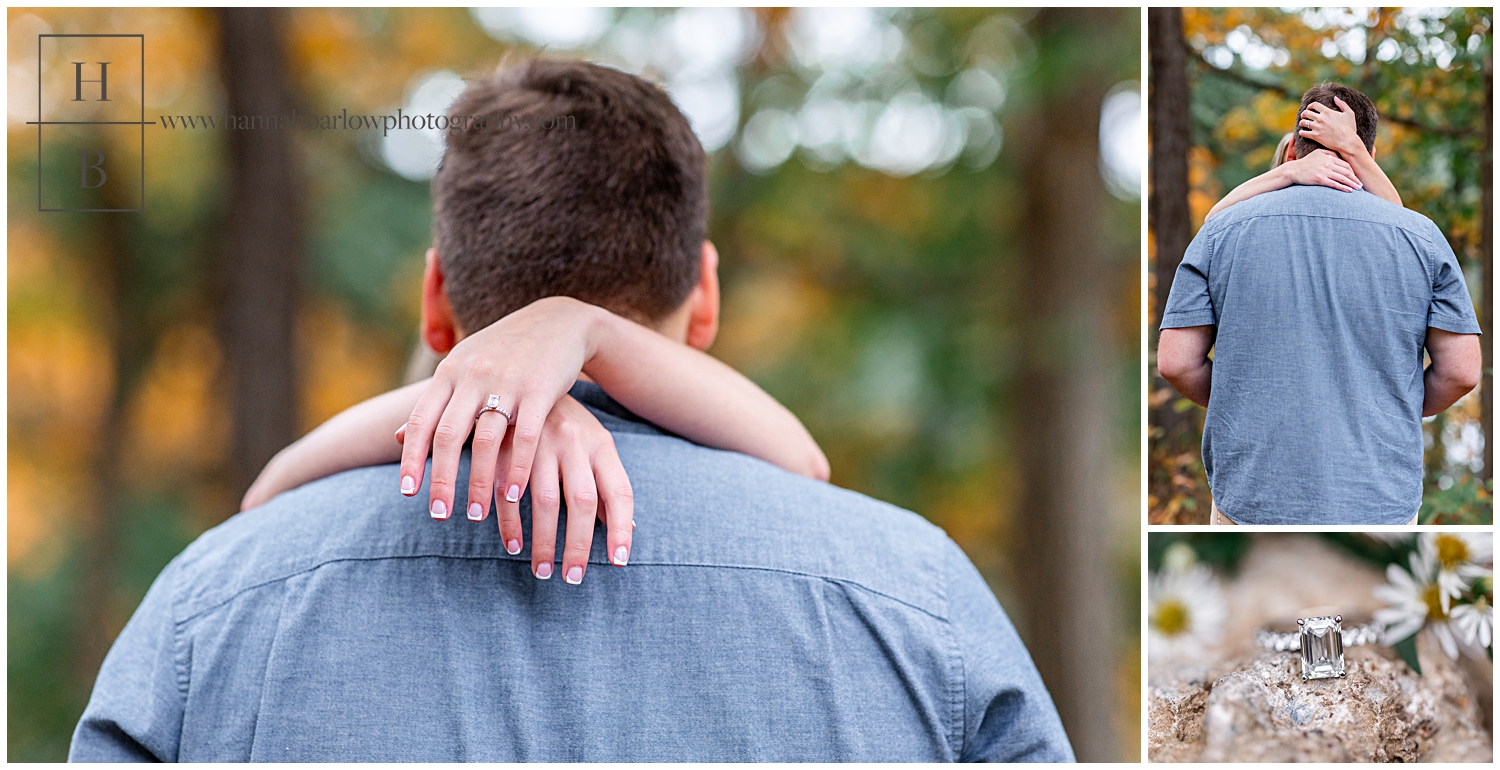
{"x":1280,"y":156}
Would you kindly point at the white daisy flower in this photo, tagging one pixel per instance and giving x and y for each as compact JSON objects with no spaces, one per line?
{"x":1460,"y":557}
{"x":1417,"y":601}
{"x":1475,"y":622}
{"x":1187,"y":612}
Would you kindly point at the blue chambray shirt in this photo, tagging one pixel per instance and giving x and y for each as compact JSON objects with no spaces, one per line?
{"x":763,"y":616}
{"x":1321,"y":301}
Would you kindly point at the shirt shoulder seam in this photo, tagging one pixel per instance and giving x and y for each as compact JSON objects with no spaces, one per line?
{"x":181,"y":662}
{"x":959,"y":686}
{"x":1399,"y":226}
{"x":325,"y":562}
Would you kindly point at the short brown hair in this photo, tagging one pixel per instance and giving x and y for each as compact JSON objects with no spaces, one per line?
{"x":1364,"y":114}
{"x":608,"y":205}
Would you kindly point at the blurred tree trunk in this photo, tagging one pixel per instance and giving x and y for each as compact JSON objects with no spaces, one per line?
{"x":1171,"y":223}
{"x":130,"y":339}
{"x":1486,"y":263}
{"x":1067,"y":593}
{"x":262,"y":243}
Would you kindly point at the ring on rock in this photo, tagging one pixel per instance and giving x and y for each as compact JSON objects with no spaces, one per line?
{"x":1321,"y":641}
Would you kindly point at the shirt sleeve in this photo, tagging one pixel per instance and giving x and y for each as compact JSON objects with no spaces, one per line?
{"x":135,"y":713}
{"x":1452,"y":308}
{"x":1008,"y":715}
{"x":1189,"y":304}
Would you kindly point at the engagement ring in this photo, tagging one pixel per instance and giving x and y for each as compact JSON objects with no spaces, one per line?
{"x":492,"y":404}
{"x":1321,"y":640}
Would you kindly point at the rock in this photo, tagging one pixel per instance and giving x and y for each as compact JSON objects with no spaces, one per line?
{"x":1249,"y":705}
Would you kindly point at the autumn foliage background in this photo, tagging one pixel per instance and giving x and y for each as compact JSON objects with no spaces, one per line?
{"x":959,"y":343}
{"x":1429,"y":73}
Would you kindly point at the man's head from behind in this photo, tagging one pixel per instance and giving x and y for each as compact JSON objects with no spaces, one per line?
{"x":584,"y":182}
{"x":1324,"y":93}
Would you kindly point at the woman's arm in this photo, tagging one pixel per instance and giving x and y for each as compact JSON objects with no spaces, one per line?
{"x":359,"y":436}
{"x":681,"y":389}
{"x":531,"y":357}
{"x":1336,"y":130}
{"x":693,"y":394}
{"x":528,"y":360}
{"x":1272,"y":180}
{"x":1322,"y":167}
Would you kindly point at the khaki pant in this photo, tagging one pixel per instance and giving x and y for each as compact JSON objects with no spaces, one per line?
{"x":1215,"y":517}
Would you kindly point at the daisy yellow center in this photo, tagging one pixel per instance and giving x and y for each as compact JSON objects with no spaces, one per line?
{"x":1171,"y":617}
{"x":1433,"y":596}
{"x":1451,"y":551}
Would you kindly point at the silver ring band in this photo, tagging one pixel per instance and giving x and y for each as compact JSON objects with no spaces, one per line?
{"x":1320,"y":642}
{"x":1291,"y":641}
{"x":492,"y":404}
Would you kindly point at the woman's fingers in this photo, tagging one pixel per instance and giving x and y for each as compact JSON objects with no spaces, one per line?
{"x":546,"y":500}
{"x":509,"y":516}
{"x":525,"y":435}
{"x":1329,"y":180}
{"x":447,"y":446}
{"x":618,"y":501}
{"x":419,"y":429}
{"x":489,"y":432}
{"x":1342,"y":106}
{"x":583,"y":501}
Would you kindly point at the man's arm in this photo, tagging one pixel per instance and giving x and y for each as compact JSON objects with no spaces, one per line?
{"x":1008,"y":715}
{"x":1182,"y":359}
{"x":1456,"y":367}
{"x":135,"y":713}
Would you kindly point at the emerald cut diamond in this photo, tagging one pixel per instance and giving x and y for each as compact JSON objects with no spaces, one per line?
{"x":1322,"y":642}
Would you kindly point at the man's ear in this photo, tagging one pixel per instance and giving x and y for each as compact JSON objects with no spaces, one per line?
{"x":703,"y":303}
{"x":1372,"y":150}
{"x":438,"y":328}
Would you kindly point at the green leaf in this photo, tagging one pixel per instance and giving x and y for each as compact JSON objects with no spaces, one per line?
{"x":1407,"y":649}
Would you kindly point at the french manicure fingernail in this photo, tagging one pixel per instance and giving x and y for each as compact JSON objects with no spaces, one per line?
{"x":408,"y":485}
{"x":512,"y":546}
{"x":622,"y":554}
{"x":513,"y":494}
{"x":544,"y":570}
{"x":476,"y":511}
{"x":575,"y":576}
{"x":439,"y":509}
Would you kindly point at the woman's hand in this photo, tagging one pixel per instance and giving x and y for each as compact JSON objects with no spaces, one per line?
{"x":1321,"y":167}
{"x":1334,"y":129}
{"x":575,"y":461}
{"x":529,"y":359}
